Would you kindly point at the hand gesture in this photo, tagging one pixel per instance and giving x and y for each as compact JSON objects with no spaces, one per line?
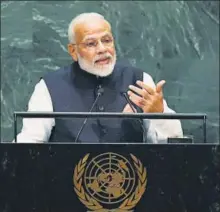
{"x":148,"y":99}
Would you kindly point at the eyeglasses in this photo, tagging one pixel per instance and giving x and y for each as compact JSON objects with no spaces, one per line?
{"x":92,"y":44}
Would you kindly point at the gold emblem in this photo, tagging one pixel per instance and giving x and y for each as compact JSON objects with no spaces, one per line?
{"x":109,"y":182}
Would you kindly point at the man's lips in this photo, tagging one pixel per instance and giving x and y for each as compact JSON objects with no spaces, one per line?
{"x":103,"y":60}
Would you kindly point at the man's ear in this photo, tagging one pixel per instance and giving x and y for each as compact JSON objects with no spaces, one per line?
{"x":72,"y":51}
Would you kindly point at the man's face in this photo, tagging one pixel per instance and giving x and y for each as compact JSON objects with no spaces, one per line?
{"x":95,"y":50}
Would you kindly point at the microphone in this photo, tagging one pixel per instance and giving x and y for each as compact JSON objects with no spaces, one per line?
{"x":129,"y":101}
{"x":133,"y":109}
{"x":99,"y":92}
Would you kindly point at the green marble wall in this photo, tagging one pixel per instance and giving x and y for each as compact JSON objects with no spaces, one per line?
{"x":175,"y":41}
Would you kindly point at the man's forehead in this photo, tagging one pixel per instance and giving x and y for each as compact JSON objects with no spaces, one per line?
{"x":97,"y":35}
{"x":94,"y":29}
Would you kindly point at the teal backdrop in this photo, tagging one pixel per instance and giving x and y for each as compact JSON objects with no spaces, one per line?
{"x":173,"y":40}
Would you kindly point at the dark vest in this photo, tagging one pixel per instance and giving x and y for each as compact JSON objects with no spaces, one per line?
{"x":74,"y":90}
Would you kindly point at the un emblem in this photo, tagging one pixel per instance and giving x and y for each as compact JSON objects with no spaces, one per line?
{"x":110,"y":182}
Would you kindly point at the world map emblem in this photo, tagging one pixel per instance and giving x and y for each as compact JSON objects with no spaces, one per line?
{"x":110,"y":182}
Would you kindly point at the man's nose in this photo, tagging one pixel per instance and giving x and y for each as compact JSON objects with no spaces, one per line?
{"x":101,"y":48}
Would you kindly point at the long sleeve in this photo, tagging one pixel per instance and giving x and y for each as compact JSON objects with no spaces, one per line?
{"x":37,"y":130}
{"x":158,"y":130}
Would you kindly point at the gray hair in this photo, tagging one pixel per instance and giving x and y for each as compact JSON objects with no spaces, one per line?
{"x":79,"y":19}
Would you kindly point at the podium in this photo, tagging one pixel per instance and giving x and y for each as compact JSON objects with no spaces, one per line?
{"x":116,"y":177}
{"x":109,"y":177}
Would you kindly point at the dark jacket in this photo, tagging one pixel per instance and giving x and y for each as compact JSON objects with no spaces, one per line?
{"x":74,"y":90}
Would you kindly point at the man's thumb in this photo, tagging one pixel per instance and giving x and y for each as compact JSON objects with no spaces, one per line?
{"x":160,"y":86}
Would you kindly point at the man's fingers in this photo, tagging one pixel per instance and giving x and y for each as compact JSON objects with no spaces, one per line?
{"x":128,"y":109}
{"x":150,"y":90}
{"x":136,"y":89}
{"x":160,"y":85}
{"x":141,"y":92}
{"x":146,"y":87}
{"x":137,"y":100}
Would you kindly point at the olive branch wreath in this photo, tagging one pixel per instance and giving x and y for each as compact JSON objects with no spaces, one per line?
{"x":94,"y":205}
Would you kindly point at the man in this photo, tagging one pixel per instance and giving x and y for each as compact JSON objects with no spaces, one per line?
{"x":74,"y":89}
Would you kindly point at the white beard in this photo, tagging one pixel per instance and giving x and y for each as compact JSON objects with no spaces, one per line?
{"x":98,"y":70}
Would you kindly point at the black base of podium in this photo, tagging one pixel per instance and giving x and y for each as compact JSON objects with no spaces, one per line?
{"x":40,"y":178}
